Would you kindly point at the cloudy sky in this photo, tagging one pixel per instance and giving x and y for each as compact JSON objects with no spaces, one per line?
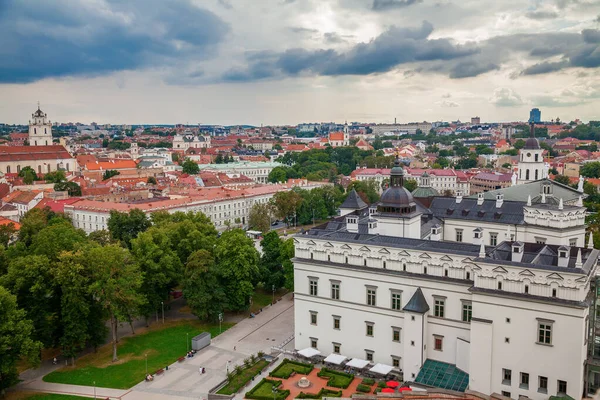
{"x":292,"y":61}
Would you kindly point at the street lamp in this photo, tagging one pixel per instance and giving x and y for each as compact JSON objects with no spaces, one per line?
{"x":273,"y":288}
{"x":146,"y":356}
{"x":220,"y":320}
{"x":94,"y":389}
{"x":163,"y":310}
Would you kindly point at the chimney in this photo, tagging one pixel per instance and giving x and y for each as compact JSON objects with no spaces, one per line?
{"x":518,"y":248}
{"x":590,"y":244}
{"x":458,"y":196}
{"x":563,"y":256}
{"x":499,"y":200}
{"x":578,"y":262}
{"x":479,"y":198}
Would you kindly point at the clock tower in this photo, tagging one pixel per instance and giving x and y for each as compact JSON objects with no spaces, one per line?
{"x":531,"y":162}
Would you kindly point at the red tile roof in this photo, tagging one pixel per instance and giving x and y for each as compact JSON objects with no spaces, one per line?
{"x":6,"y":221}
{"x":33,"y":153}
{"x":339,"y":136}
{"x":112,"y":164}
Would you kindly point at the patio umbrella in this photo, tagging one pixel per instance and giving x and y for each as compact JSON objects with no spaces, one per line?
{"x":392,"y":384}
{"x":405,"y":389}
{"x":387,"y":390}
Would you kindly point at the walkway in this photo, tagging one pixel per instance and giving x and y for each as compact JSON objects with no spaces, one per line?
{"x":183,"y":381}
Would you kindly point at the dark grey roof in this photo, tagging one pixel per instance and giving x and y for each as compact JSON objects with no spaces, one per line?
{"x":532,"y":144}
{"x":417,"y":303}
{"x":353,"y":201}
{"x":522,"y":191}
{"x":511,"y":212}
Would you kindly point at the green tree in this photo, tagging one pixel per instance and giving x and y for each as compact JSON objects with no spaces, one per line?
{"x":109,"y":173}
{"x":55,"y":176}
{"x":519,"y":144}
{"x":115,"y":283}
{"x":102,"y":237}
{"x":30,"y":279}
{"x":7,"y":233}
{"x":190,"y":167}
{"x":590,"y":170}
{"x":237,"y":267}
{"x":56,"y":238}
{"x":259,"y":217}
{"x":271,"y":261}
{"x":287,"y":253}
{"x":410,"y":184}
{"x":219,"y":159}
{"x":367,"y":190}
{"x":285,"y":205}
{"x":483,"y":149}
{"x":151,"y":180}
{"x":16,"y":340}
{"x":201,"y":287}
{"x":562,"y":179}
{"x":72,"y":188}
{"x":160,"y":265}
{"x":126,"y":226}
{"x":278,"y":174}
{"x":28,"y":174}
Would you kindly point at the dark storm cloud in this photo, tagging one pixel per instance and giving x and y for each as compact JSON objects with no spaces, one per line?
{"x":40,"y":39}
{"x":384,"y":5}
{"x":544,"y":68}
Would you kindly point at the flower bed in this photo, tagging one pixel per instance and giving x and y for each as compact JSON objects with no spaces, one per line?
{"x":240,"y":379}
{"x":287,"y":367}
{"x":336,"y":379}
{"x":322,"y":393}
{"x":264,"y":391}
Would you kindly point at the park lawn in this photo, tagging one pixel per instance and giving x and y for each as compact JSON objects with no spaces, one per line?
{"x":263,"y":298}
{"x":264,"y":391}
{"x":163,"y":344}
{"x":239,"y":380}
{"x":336,"y":379}
{"x":41,"y":396}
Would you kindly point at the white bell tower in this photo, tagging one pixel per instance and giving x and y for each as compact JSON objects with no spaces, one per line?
{"x":40,"y":129}
{"x":531,"y":161}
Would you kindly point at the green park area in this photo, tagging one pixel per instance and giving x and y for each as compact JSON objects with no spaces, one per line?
{"x":159,"y":347}
{"x":242,"y":375}
{"x":41,"y":396}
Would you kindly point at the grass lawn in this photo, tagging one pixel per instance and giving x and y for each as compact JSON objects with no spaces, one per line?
{"x":239,"y":380}
{"x":163,"y":344}
{"x":285,"y":369}
{"x":264,"y":391}
{"x":263,"y":297}
{"x":337,"y":379}
{"x":41,"y":396}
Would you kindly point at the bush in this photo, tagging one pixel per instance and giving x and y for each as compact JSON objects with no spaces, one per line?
{"x":336,"y":379}
{"x":368,"y":381}
{"x":381,"y":384}
{"x":322,"y":393}
{"x":285,"y":369}
{"x":263,"y":391}
{"x":363,"y":388}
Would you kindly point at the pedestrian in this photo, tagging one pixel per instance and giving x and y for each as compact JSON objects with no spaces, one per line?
{"x":54,"y":361}
{"x":233,"y":348}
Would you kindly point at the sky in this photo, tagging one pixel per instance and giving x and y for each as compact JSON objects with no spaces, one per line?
{"x":277,"y":62}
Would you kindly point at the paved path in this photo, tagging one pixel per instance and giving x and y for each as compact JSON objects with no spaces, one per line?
{"x":183,"y":381}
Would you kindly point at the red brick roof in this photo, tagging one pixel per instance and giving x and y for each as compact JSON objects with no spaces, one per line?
{"x":33,"y":153}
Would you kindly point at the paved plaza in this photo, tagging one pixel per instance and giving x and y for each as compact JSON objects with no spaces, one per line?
{"x":272,"y":327}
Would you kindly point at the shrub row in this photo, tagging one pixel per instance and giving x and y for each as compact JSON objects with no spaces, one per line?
{"x":368,"y":381}
{"x":336,"y":379}
{"x":363,"y":388}
{"x":322,"y":393}
{"x":287,"y":366}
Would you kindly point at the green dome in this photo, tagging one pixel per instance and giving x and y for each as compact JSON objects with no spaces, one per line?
{"x":422,"y":192}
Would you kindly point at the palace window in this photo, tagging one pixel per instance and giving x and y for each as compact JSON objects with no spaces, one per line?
{"x":544,"y":332}
{"x":542,"y":384}
{"x":336,"y":348}
{"x":493,"y":239}
{"x":335,"y":290}
{"x":369,"y":355}
{"x":369,"y":326}
{"x":313,"y":287}
{"x":396,"y":300}
{"x":313,"y":343}
{"x":438,"y":309}
{"x":395,"y":334}
{"x":336,"y":322}
{"x":313,"y":318}
{"x":459,"y":235}
{"x":524,"y":384}
{"x":467,"y":311}
{"x":562,"y":388}
{"x":506,"y":376}
{"x":371,"y":296}
{"x":438,"y":343}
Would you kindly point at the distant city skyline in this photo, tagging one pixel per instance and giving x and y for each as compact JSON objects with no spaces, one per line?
{"x":282,"y":62}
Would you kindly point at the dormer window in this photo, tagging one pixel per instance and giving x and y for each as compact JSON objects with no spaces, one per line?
{"x":434,"y":231}
{"x":562,"y":254}
{"x":477,"y":234}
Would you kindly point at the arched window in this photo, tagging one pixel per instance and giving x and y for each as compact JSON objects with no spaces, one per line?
{"x":526,"y":174}
{"x":8,"y":169}
{"x":536,"y":174}
{"x":18,"y":169}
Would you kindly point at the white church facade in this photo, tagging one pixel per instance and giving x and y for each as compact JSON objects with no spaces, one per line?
{"x":40,"y":129}
{"x":497,"y":294}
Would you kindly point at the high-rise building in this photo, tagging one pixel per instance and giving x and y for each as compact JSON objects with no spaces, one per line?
{"x":475,"y":120}
{"x":535,"y":115}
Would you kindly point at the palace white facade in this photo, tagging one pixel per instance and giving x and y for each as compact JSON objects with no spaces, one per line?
{"x":190,"y":141}
{"x":499,"y":290}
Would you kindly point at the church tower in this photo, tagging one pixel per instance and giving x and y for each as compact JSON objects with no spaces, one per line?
{"x":531,"y":162}
{"x":40,"y":129}
{"x":346,"y":135}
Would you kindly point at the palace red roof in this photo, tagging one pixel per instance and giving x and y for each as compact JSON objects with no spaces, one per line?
{"x":33,"y":153}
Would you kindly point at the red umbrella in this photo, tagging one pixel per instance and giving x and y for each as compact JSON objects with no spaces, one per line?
{"x":392,"y":384}
{"x":405,"y":389}
{"x":387,"y":390}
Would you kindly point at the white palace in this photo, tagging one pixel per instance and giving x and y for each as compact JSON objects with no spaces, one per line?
{"x":485,"y":294}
